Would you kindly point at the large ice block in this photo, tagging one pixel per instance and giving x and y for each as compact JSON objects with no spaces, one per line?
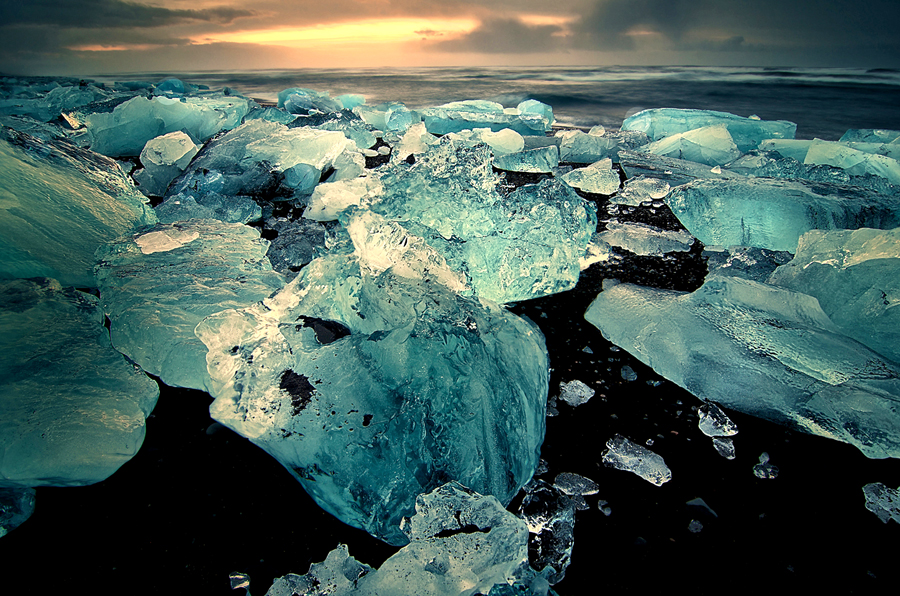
{"x":710,"y":145}
{"x":528,"y":118}
{"x":855,"y":275}
{"x":16,"y":506}
{"x":576,"y":146}
{"x":871,"y":135}
{"x":373,"y":389}
{"x":761,"y":350}
{"x":670,"y":170}
{"x":72,"y":409}
{"x":158,"y":284}
{"x":747,"y":132}
{"x":774,"y":213}
{"x":164,"y":158}
{"x":853,"y":161}
{"x":59,"y":204}
{"x":298,"y":100}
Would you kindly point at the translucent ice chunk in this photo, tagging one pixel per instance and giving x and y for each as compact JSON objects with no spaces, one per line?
{"x":746,"y":132}
{"x":710,"y":145}
{"x":415,"y":385}
{"x":16,"y":506}
{"x":72,"y":409}
{"x":724,"y":447}
{"x":855,"y":275}
{"x":853,"y":161}
{"x":578,"y":147}
{"x":597,"y":178}
{"x":744,"y":261}
{"x":156,"y":286}
{"x":772,"y":213}
{"x":415,"y":140}
{"x":787,"y":361}
{"x":298,"y":100}
{"x":59,"y":204}
{"x":297,"y":243}
{"x":574,"y":484}
{"x":871,"y":135}
{"x":673,"y":171}
{"x":211,"y":205}
{"x":540,"y":160}
{"x":642,"y":189}
{"x":622,"y":454}
{"x":642,"y":239}
{"x":714,"y":422}
{"x":529,"y":118}
{"x":330,"y":199}
{"x":164,"y":158}
{"x":883,"y":501}
{"x":550,"y":516}
{"x":394,"y":116}
{"x":575,"y":393}
{"x":793,"y":148}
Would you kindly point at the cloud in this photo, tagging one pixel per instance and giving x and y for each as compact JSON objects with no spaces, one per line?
{"x":101,"y":14}
{"x":509,"y":36}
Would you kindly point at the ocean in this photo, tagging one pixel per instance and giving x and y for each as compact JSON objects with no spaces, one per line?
{"x":823,"y":102}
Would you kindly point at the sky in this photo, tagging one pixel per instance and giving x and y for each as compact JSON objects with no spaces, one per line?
{"x":83,"y":37}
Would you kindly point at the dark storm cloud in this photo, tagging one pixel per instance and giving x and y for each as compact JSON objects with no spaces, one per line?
{"x":505,"y":36}
{"x":99,"y":14}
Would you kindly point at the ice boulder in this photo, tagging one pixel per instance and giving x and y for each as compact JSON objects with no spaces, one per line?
{"x":540,"y":160}
{"x":774,"y":213}
{"x":164,"y":158}
{"x":871,"y":135}
{"x":393,"y":116}
{"x":372,"y":389}
{"x":710,"y":145}
{"x":298,"y":100}
{"x":72,"y":409}
{"x":855,"y":275}
{"x":746,"y":132}
{"x":762,"y":350}
{"x":852,"y":160}
{"x":158,"y":284}
{"x":528,"y":118}
{"x":672,"y":171}
{"x":59,"y":204}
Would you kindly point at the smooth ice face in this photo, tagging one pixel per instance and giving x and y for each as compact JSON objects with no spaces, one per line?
{"x":674,"y":172}
{"x":746,"y":132}
{"x":59,"y":204}
{"x":158,"y":284}
{"x":529,"y":118}
{"x":883,"y":501}
{"x":710,"y":145}
{"x":855,"y":275}
{"x":461,"y":543}
{"x":645,"y":240}
{"x":373,"y":389}
{"x":540,"y":160}
{"x":871,"y":135}
{"x":641,"y":189}
{"x":622,"y":454}
{"x":124,"y":131}
{"x":772,"y":213}
{"x":786,"y":360}
{"x":597,"y":178}
{"x":164,"y":158}
{"x":72,"y":409}
{"x":578,"y":147}
{"x":853,"y":161}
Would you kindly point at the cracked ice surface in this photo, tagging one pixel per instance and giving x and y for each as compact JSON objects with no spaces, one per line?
{"x":418,"y":385}
{"x":787,"y":361}
{"x":72,"y":409}
{"x":157,"y":285}
{"x":710,"y":145}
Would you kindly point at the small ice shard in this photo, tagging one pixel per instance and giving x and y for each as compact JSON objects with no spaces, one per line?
{"x":855,"y":275}
{"x":575,"y":484}
{"x":578,"y":147}
{"x":645,"y":240}
{"x":59,"y":204}
{"x":156,"y":286}
{"x":210,"y":205}
{"x":746,"y":132}
{"x":415,"y":141}
{"x":724,"y":446}
{"x":374,"y":412}
{"x":641,"y":189}
{"x":710,"y":145}
{"x":604,"y":507}
{"x":628,"y":374}
{"x":550,"y":517}
{"x":597,"y":178}
{"x":530,"y":118}
{"x":298,"y":100}
{"x":670,"y":170}
{"x":460,"y":544}
{"x":16,"y":506}
{"x":164,"y":158}
{"x":575,"y":393}
{"x":871,"y":135}
{"x":622,"y":454}
{"x":764,"y":469}
{"x":72,"y":409}
{"x":883,"y":501}
{"x":597,"y":252}
{"x":540,"y":160}
{"x":744,"y":261}
{"x":239,"y":580}
{"x":772,"y":213}
{"x":330,"y":199}
{"x":124,"y":131}
{"x":714,"y":422}
{"x":787,"y":361}
{"x":695,"y":527}
{"x":502,"y":142}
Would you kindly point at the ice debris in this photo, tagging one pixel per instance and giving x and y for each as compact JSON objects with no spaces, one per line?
{"x":210,"y":205}
{"x":530,"y":117}
{"x":158,"y":284}
{"x":645,"y":240}
{"x":373,"y":388}
{"x":787,"y":361}
{"x":72,"y":409}
{"x":16,"y":506}
{"x":597,"y":178}
{"x":764,"y":470}
{"x":622,"y":454}
{"x":855,"y":275}
{"x":772,"y":213}
{"x":714,"y":422}
{"x":871,"y":135}
{"x":744,"y":261}
{"x":640,"y":190}
{"x":724,"y":446}
{"x":575,"y":393}
{"x":540,"y":160}
{"x":746,"y":132}
{"x":883,"y":501}
{"x":164,"y":158}
{"x":59,"y":204}
{"x":550,"y":517}
{"x":575,"y":484}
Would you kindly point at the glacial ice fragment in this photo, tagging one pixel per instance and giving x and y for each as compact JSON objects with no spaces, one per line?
{"x":157,"y":285}
{"x":297,"y":243}
{"x":210,"y":205}
{"x":714,"y":422}
{"x":393,"y":116}
{"x":855,"y":275}
{"x":786,"y":360}
{"x":460,"y":544}
{"x":550,"y":517}
{"x":529,"y":118}
{"x":710,"y":145}
{"x":72,"y":409}
{"x":575,"y":484}
{"x":597,"y":178}
{"x":772,"y":213}
{"x":164,"y":158}
{"x":622,"y":454}
{"x":541,"y":160}
{"x":673,"y":171}
{"x":853,"y":161}
{"x":724,"y":446}
{"x":642,"y":189}
{"x":871,"y":135}
{"x":578,"y":147}
{"x":420,"y":386}
{"x":59,"y":204}
{"x":298,"y":100}
{"x":746,"y":132}
{"x":883,"y":501}
{"x":330,"y":199}
{"x":744,"y":261}
{"x":575,"y":393}
{"x":646,"y":240}
{"x":16,"y":506}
